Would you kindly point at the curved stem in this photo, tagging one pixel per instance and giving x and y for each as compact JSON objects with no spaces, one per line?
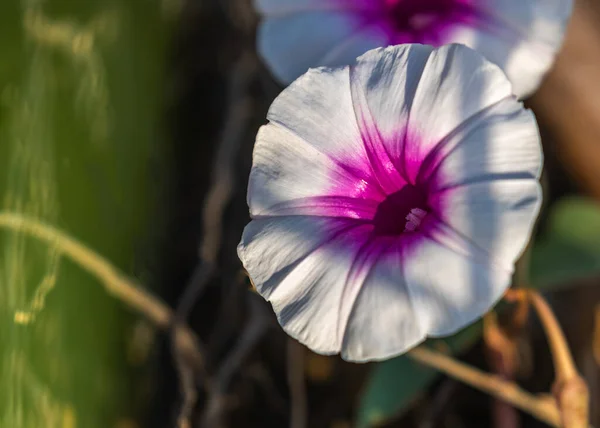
{"x":501,"y":352}
{"x":569,"y":388}
{"x":563,"y":362}
{"x":297,"y":386}
{"x":541,"y":408}
{"x":115,"y":282}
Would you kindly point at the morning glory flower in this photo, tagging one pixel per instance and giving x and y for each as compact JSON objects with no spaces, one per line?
{"x":521,"y":36}
{"x":390,"y":199}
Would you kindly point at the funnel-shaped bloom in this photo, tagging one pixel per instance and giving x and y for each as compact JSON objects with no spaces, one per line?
{"x":390,"y":199}
{"x":521,"y":36}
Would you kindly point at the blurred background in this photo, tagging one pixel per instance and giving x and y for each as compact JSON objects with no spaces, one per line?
{"x":129,"y":125}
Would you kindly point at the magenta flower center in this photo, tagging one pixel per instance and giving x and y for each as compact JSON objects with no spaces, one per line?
{"x":401,"y":212}
{"x":419,"y":21}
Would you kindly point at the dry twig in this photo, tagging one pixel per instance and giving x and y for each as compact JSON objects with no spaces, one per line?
{"x":540,"y":407}
{"x":256,"y":326}
{"x":296,"y":381}
{"x":502,"y":356}
{"x":185,"y":369}
{"x":569,"y":387}
{"x":439,"y":402}
{"x":218,"y":196}
{"x":223,"y":171}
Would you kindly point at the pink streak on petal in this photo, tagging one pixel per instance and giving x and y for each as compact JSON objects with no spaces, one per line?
{"x":381,"y":160}
{"x":328,"y":206}
{"x":366,"y":247}
{"x":385,"y":162}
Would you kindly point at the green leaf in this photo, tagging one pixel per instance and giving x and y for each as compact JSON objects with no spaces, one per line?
{"x":395,"y":384}
{"x":568,"y":249}
{"x":80,"y":85}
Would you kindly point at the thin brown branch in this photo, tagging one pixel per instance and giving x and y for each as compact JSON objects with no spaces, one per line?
{"x":542,"y":408}
{"x":439,"y":403}
{"x":297,"y":385}
{"x":503,"y":360}
{"x":570,"y":390}
{"x":223,"y":171}
{"x":501,"y":340}
{"x":218,"y":197}
{"x":256,"y":326}
{"x":187,"y":387}
{"x":185,"y":370}
{"x":564,"y":366}
{"x":596,"y":337}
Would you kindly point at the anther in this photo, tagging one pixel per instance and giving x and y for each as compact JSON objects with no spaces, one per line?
{"x":414,"y":219}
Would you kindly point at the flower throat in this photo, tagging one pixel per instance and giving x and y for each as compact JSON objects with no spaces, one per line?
{"x":401,"y":212}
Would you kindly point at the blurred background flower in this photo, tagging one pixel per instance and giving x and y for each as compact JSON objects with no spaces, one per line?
{"x":521,"y":36}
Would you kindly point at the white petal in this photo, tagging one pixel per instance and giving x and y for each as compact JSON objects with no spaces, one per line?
{"x":291,"y":44}
{"x":496,"y":215}
{"x":502,"y":143}
{"x":383,"y":322}
{"x":456,"y":85}
{"x":450,"y":288}
{"x":310,"y":275}
{"x":291,"y":177}
{"x":483,"y":179}
{"x":433,"y":286}
{"x":318,"y":109}
{"x":525,"y":41}
{"x":271,"y":246}
{"x":415,"y":96}
{"x":383,"y":84}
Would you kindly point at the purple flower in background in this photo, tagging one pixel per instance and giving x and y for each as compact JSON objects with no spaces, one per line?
{"x":390,"y":199}
{"x":521,"y":36}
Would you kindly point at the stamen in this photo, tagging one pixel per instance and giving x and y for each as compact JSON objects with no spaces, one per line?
{"x":398,"y":212}
{"x":414,"y":219}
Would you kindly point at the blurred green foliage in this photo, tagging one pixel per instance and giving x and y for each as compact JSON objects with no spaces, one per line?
{"x":80,"y":88}
{"x":567,"y":250}
{"x":395,"y":384}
